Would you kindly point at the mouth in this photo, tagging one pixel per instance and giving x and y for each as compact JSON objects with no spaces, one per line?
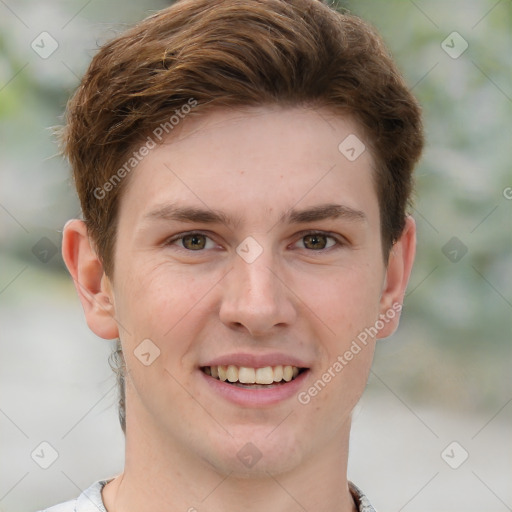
{"x":254,"y":378}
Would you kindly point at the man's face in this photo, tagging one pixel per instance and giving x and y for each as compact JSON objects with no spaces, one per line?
{"x":268,"y":285}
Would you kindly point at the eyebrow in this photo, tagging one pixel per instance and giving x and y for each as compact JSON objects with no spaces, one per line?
{"x":320,"y":212}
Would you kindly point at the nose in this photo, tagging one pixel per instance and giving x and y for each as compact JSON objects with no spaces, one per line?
{"x":256,"y":297}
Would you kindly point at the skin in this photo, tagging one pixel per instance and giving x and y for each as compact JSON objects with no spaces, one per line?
{"x":301,"y":296}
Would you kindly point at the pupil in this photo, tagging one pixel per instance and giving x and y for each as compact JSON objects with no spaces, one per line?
{"x":194,"y":241}
{"x":315,"y":241}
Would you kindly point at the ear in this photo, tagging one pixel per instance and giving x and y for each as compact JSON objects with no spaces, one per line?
{"x":398,"y":271}
{"x":93,"y":286}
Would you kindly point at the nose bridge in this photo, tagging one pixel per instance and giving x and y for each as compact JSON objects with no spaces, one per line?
{"x":258,"y":278}
{"x":255,"y":284}
{"x":255,"y":297}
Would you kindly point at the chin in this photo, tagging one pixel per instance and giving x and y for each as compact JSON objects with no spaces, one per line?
{"x":257,"y":454}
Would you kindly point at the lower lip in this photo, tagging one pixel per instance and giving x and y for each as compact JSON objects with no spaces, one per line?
{"x":255,"y":397}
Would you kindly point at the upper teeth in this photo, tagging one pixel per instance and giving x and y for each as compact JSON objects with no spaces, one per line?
{"x":245,"y":375}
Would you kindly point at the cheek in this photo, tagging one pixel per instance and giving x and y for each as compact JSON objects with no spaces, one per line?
{"x":346,"y":300}
{"x":153,"y":301}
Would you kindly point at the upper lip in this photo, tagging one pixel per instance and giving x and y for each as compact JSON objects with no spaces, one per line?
{"x":256,"y":361}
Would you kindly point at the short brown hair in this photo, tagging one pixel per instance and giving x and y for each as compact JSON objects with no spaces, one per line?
{"x":238,"y":53}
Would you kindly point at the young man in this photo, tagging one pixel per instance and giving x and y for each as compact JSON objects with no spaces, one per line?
{"x":244,"y":169}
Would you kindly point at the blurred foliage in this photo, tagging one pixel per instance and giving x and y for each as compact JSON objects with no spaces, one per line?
{"x":459,"y":312}
{"x":466,"y":167}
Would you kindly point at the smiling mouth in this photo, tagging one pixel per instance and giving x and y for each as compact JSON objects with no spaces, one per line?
{"x":253,"y":378}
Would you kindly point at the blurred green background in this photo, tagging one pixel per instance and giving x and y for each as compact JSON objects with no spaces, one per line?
{"x":444,"y":376}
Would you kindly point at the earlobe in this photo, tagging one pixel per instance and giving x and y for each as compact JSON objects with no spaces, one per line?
{"x":91,"y":283}
{"x":398,"y":272}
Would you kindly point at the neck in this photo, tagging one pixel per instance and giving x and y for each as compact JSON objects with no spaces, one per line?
{"x":152,"y":484}
{"x":162,"y":475}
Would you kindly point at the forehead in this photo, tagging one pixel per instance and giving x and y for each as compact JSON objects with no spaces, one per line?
{"x":256,"y":161}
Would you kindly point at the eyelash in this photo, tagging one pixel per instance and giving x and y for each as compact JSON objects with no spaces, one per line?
{"x":339,"y":242}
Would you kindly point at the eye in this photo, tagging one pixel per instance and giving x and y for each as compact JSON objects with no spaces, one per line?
{"x":318,"y":241}
{"x":192,"y":241}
